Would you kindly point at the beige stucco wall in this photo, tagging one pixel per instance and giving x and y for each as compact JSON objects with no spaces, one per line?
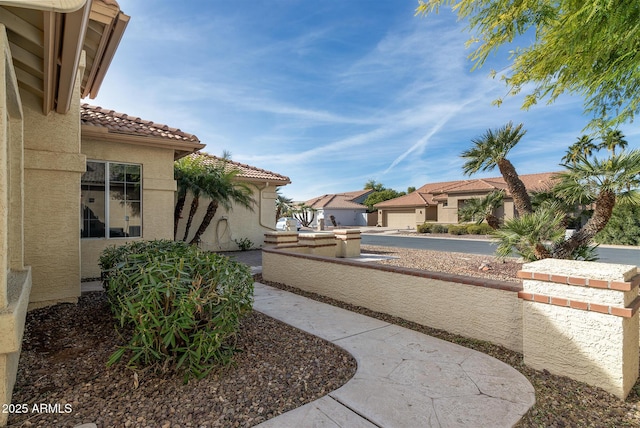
{"x":158,"y":190}
{"x":587,"y":331}
{"x":53,"y":167}
{"x":473,"y":311}
{"x":236,"y":224}
{"x":15,"y":278}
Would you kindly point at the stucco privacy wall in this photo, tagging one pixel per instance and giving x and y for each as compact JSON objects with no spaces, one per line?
{"x":581,"y":321}
{"x":53,"y":168}
{"x":15,"y":280}
{"x":472,"y":307}
{"x":236,"y":224}
{"x":158,"y":190}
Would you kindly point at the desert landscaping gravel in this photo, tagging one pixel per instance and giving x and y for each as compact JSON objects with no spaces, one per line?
{"x":66,"y":346}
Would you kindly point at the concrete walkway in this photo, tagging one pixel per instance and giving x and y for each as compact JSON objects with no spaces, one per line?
{"x":404,"y":378}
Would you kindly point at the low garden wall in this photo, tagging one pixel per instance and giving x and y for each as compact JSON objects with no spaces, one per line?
{"x":472,"y":307}
{"x":572,"y":318}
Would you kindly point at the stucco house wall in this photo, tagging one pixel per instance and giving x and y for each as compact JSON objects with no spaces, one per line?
{"x":236,"y":224}
{"x":40,"y":158}
{"x":343,"y":217}
{"x":441,"y":201}
{"x":158,"y":189}
{"x":53,"y":168}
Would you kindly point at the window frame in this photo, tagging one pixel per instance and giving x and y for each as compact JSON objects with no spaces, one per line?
{"x":107,"y":199}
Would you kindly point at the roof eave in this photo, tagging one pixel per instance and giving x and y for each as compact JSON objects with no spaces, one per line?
{"x":114,"y":31}
{"x":180,"y":148}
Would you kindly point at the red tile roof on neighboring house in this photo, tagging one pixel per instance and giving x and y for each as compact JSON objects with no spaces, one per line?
{"x":431,"y":193}
{"x":343,"y":200}
{"x":247,"y":172}
{"x":121,"y":123}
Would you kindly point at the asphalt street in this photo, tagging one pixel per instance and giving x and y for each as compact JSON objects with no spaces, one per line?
{"x":607,"y":254}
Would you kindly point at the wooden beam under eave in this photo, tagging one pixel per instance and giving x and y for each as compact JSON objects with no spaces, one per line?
{"x":51,"y":24}
{"x":102,"y":63}
{"x":75,"y":26}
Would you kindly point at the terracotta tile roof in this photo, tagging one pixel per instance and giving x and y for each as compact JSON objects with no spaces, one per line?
{"x":247,"y":172}
{"x":431,"y":193}
{"x":344,"y":200}
{"x":121,"y":123}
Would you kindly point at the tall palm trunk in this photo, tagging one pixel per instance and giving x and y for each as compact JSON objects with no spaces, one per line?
{"x":206,"y":221}
{"x":493,"y":221}
{"x":177,"y":212}
{"x":192,"y":212}
{"x":516,"y":187}
{"x":603,"y":210}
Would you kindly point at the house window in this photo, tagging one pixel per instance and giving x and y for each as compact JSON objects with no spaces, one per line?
{"x":111,"y":200}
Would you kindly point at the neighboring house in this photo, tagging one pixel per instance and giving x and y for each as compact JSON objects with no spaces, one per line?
{"x":346,"y":208}
{"x":439,"y":202}
{"x":239,"y":223}
{"x":52,"y":53}
{"x":128,"y":189}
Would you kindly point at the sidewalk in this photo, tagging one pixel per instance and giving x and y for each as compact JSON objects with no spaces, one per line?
{"x":404,"y":378}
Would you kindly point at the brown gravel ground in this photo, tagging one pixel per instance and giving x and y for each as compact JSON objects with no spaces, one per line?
{"x":66,"y":346}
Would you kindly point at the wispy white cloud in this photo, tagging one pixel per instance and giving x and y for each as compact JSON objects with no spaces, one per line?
{"x":322,"y":92}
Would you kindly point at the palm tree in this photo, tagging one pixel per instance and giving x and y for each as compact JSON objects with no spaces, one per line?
{"x":198,"y":184}
{"x":224,"y":190}
{"x":613,"y":138}
{"x":480,"y":209}
{"x":283,"y":205}
{"x":186,"y":172}
{"x":601,"y":182}
{"x":584,"y":146}
{"x":489,"y":151}
{"x":530,"y":235}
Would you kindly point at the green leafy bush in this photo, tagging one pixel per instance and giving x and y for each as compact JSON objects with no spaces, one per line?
{"x":479,"y":229}
{"x":457,"y":230}
{"x":424,"y":227}
{"x":181,"y":305}
{"x":439,"y":228}
{"x":623,"y":227}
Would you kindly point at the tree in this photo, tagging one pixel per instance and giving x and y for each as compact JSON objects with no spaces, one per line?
{"x":612,"y":139}
{"x":222,"y":187}
{"x":380,"y":196}
{"x":589,"y":48}
{"x":489,"y":151}
{"x":480,"y":209}
{"x":186,"y":172}
{"x":583,"y":146}
{"x":602,"y":183}
{"x":623,"y":227}
{"x":304,"y":214}
{"x":283,"y":205}
{"x":586,"y":181}
{"x":373,"y":185}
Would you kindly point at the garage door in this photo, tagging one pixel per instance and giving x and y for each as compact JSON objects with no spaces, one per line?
{"x":405,"y":219}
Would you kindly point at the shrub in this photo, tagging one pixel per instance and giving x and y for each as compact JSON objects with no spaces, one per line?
{"x":457,"y":230}
{"x":479,"y":229}
{"x":623,"y":227}
{"x":425,"y":227}
{"x":182,"y":306}
{"x":439,"y":228}
{"x":244,"y":244}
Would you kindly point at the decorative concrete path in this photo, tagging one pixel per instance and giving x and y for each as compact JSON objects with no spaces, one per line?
{"x":404,"y":378}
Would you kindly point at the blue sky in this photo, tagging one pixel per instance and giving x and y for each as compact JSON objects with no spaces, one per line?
{"x":330,"y":93}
